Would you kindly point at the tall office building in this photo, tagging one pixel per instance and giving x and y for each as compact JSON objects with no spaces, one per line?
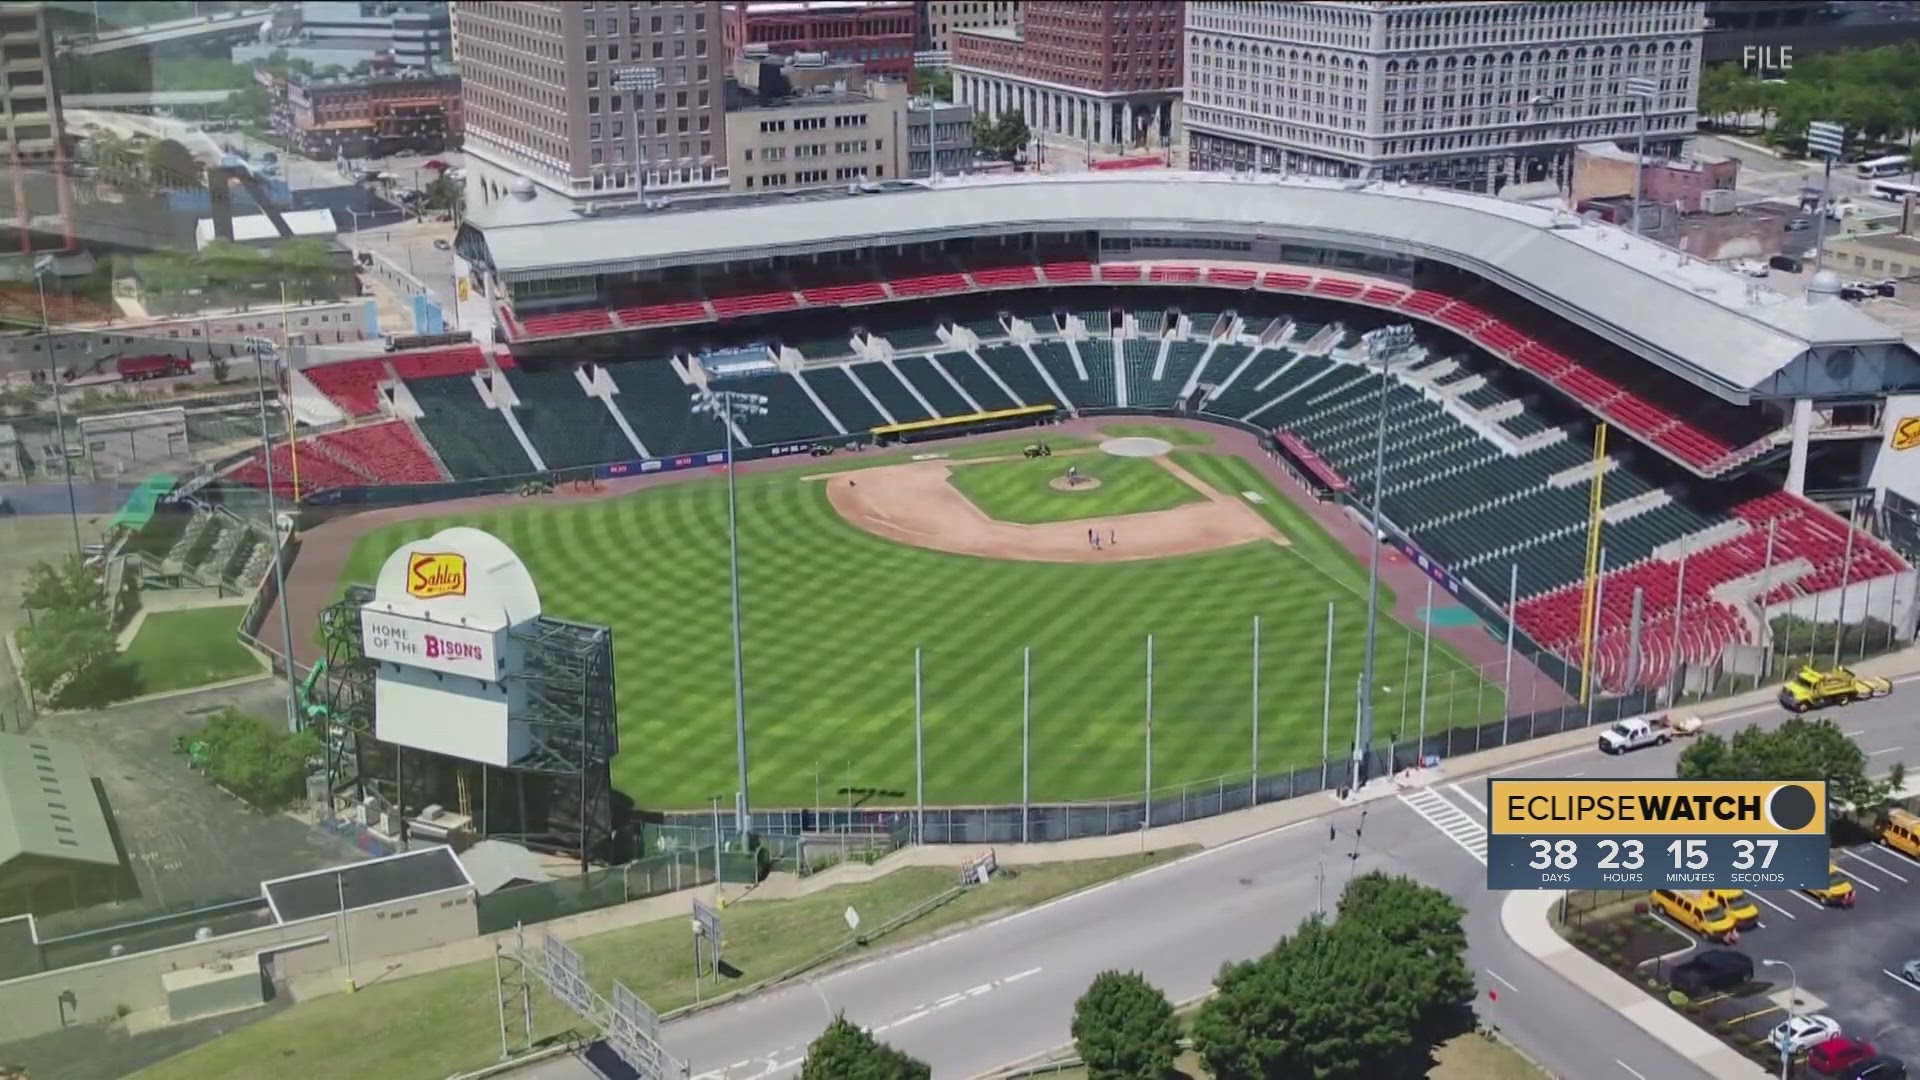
{"x":943,"y":17}
{"x":36,"y":204}
{"x":31,"y":124}
{"x":545,"y":93}
{"x":1102,"y":71}
{"x":1473,"y":95}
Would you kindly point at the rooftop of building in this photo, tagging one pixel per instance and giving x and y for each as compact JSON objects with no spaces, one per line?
{"x":1730,"y":327}
{"x":795,"y":7}
{"x":1615,"y":152}
{"x":1892,"y":243}
{"x":802,"y":101}
{"x":48,"y":805}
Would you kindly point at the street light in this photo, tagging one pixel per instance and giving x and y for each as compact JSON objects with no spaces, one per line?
{"x":43,"y":265}
{"x":724,"y":405}
{"x":261,"y":348}
{"x":1381,"y":344}
{"x":633,"y":80}
{"x":1829,"y":140}
{"x":1793,"y":1002}
{"x":1643,"y":91}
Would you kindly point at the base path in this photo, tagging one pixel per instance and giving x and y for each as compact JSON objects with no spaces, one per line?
{"x":914,"y":504}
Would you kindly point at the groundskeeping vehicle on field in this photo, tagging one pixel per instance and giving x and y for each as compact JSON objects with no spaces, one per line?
{"x":1817,"y":688}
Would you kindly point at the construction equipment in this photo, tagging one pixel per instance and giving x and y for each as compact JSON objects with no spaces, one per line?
{"x":1814,"y":688}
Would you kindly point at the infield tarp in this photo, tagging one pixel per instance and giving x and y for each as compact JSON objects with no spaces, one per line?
{"x":140,"y":505}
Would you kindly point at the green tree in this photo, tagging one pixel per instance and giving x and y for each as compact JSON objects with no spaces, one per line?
{"x":1004,"y":139}
{"x":1125,"y":1029}
{"x":441,"y":194}
{"x":170,"y":162}
{"x":68,"y":585}
{"x":937,"y":83}
{"x":847,"y":1051}
{"x":73,"y":662}
{"x":1363,"y":996}
{"x":1422,"y":925}
{"x":256,"y":759}
{"x":1799,"y":749}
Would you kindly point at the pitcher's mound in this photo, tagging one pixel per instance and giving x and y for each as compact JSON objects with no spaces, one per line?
{"x":1074,"y":483}
{"x":1137,"y":446}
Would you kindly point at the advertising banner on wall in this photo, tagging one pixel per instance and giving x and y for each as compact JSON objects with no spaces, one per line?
{"x":1896,"y":467}
{"x":451,"y":650}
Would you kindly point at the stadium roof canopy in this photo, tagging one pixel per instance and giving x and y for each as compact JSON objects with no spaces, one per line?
{"x":48,"y":806}
{"x":1660,"y":300}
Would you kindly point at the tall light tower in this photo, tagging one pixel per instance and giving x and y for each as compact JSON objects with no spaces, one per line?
{"x":1643,"y":91}
{"x":1829,"y":140}
{"x":42,"y":266}
{"x":1382,"y":345}
{"x":262,"y":348}
{"x":724,"y":406}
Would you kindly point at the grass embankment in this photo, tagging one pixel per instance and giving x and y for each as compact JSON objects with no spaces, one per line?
{"x":434,"y":1025}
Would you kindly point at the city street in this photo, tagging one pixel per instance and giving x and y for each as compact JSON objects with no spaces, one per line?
{"x":1004,"y":992}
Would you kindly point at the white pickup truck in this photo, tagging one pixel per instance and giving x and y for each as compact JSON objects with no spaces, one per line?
{"x":1624,"y":735}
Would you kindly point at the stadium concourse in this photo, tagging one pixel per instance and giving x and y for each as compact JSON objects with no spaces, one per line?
{"x":1491,"y":415}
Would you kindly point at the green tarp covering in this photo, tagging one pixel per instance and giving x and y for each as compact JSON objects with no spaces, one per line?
{"x":139,"y":508}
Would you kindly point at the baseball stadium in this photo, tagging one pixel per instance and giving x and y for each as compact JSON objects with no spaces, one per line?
{"x":1007,"y":493}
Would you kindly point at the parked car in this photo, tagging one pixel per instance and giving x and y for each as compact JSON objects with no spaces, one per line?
{"x":1853,"y":294}
{"x":1786,"y":263}
{"x":1799,"y":224}
{"x":1798,"y":1034}
{"x":1837,"y":1056}
{"x":1911,"y":971}
{"x":1881,"y":1067}
{"x":1714,"y":969}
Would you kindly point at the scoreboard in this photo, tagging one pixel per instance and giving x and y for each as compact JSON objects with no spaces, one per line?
{"x":1657,"y":834}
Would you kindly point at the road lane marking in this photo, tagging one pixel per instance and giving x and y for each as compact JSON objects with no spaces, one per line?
{"x":1886,"y":848}
{"x":1462,"y":792}
{"x":1775,"y":906}
{"x":1021,"y":975}
{"x":1857,"y":879}
{"x":1856,"y":734}
{"x":1900,"y":980}
{"x":1863,"y":859}
{"x":1502,"y":981}
{"x":1629,"y":1068}
{"x":951,"y":1000}
{"x":1888,"y":750}
{"x":1576,"y":775}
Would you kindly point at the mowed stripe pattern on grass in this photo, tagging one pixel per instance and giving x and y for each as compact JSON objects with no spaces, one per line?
{"x":1021,"y":491}
{"x":832,"y":616}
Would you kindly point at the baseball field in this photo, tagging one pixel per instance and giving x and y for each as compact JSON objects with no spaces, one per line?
{"x":849,"y":563}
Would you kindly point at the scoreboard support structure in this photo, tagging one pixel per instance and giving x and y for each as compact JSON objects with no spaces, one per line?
{"x":557,"y":798}
{"x":1657,"y":834}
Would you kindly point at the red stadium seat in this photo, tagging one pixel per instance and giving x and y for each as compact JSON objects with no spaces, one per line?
{"x":353,"y":385}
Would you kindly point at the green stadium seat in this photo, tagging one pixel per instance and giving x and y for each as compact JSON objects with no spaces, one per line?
{"x":940,"y":394}
{"x":909,"y":339}
{"x":837,"y":391}
{"x":1011,"y":363}
{"x":473,"y":441}
{"x":833,"y":348}
{"x":977,"y":383}
{"x":568,"y":428}
{"x":791,"y":415}
{"x":1097,"y":355}
{"x":885,"y":384}
{"x":1098,"y":321}
{"x":658,"y":406}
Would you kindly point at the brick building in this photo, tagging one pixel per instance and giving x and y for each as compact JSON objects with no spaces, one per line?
{"x":1602,"y":170}
{"x":877,"y":34}
{"x":370,"y":116}
{"x":543,"y":79}
{"x":1103,"y":71}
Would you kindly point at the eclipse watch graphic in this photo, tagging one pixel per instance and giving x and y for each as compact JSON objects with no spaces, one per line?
{"x":1791,"y":807}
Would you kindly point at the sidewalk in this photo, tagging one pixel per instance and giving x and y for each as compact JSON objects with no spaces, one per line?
{"x":1524,"y":917}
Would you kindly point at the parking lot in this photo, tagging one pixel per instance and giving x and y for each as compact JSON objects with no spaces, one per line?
{"x":1847,"y":961}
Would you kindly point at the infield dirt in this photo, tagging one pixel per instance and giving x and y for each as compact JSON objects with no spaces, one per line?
{"x":913,"y":503}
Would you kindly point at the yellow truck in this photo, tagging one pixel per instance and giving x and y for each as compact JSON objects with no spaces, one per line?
{"x":1814,"y":688}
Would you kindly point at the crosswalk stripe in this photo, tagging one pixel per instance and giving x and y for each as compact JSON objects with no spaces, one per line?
{"x":1456,"y":824}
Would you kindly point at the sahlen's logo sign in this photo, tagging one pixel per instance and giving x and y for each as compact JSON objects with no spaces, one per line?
{"x":1906,"y":433}
{"x":436,"y":574}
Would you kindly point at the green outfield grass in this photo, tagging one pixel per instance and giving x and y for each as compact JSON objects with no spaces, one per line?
{"x":833,"y":616}
{"x":1172,"y":433}
{"x":1020,"y":491}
